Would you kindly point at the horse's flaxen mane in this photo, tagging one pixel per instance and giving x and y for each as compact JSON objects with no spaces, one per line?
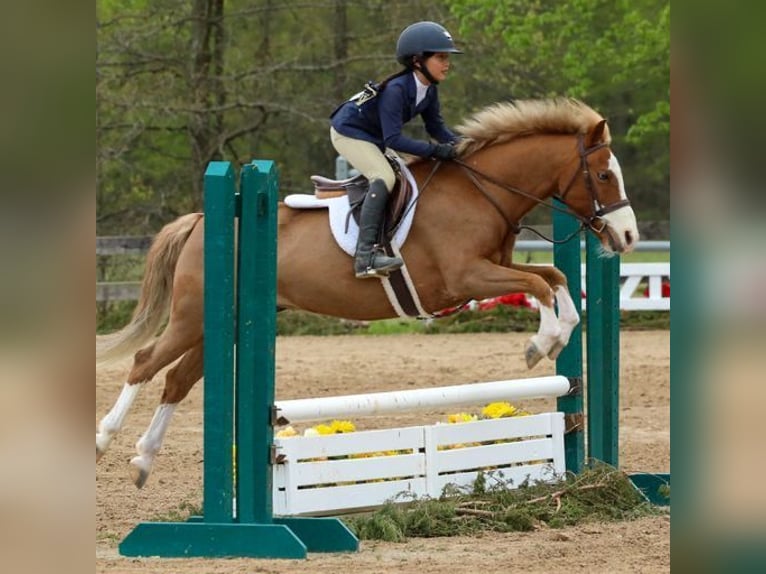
{"x":505,"y":121}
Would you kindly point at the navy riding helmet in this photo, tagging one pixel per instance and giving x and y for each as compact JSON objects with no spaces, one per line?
{"x":423,"y":37}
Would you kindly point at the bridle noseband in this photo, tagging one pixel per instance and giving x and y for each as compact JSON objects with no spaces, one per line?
{"x":592,"y":222}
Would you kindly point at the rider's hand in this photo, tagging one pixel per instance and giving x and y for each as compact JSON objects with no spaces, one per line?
{"x":444,"y":151}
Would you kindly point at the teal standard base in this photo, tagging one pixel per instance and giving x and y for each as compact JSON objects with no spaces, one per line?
{"x":654,"y":487}
{"x":321,"y":534}
{"x":286,"y":538}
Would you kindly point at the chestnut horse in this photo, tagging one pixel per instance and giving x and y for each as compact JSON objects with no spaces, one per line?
{"x":513,"y":156}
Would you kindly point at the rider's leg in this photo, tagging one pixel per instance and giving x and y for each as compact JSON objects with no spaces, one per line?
{"x":370,"y":161}
{"x":369,"y":261}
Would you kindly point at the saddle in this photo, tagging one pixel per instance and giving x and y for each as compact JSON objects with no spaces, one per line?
{"x":356,"y":189}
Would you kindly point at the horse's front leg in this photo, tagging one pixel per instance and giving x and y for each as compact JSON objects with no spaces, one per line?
{"x":568,"y":317}
{"x":486,"y":279}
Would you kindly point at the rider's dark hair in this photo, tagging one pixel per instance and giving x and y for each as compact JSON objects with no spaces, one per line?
{"x":402,"y":72}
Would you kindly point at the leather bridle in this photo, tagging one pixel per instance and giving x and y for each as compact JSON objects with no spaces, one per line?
{"x":592,"y":221}
{"x":599,"y":209}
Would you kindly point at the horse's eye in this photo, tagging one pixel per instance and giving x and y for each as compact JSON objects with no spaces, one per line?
{"x":603,"y":176}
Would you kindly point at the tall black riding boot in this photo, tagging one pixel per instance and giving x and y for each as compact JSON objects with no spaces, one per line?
{"x":369,"y":261}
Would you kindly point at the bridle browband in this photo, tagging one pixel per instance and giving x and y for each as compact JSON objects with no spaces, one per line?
{"x":599,"y":209}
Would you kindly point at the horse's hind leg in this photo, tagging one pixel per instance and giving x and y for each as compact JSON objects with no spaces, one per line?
{"x":112,"y":422}
{"x":146,"y":363}
{"x":178,"y":382}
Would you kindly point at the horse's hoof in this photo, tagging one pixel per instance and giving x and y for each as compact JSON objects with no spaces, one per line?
{"x":554,"y":353}
{"x":138,"y":473}
{"x":532,"y":355}
{"x":101,"y":444}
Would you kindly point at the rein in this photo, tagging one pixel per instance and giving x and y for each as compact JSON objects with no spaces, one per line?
{"x":590,"y":222}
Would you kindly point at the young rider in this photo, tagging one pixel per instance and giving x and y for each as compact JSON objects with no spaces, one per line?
{"x":371,"y":121}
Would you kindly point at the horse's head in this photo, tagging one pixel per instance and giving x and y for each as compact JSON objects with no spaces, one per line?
{"x":592,"y":186}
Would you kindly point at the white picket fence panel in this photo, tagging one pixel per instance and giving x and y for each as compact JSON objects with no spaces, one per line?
{"x":634,"y":277}
{"x":356,"y":471}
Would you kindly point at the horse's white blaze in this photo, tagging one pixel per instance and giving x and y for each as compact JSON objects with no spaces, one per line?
{"x":149,"y":444}
{"x":615,"y":168}
{"x":113,"y":421}
{"x":622,"y":222}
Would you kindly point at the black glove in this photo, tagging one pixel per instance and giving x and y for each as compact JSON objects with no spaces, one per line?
{"x":444,"y":151}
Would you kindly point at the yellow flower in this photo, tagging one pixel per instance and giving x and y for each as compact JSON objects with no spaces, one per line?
{"x":342,"y":426}
{"x":310,"y":432}
{"x":286,"y":432}
{"x":460,"y":418}
{"x":498,"y":410}
{"x":324,"y":429}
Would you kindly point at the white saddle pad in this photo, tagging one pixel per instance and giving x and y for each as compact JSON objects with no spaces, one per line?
{"x":338,"y":208}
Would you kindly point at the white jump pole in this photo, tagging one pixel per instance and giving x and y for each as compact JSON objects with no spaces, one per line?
{"x":371,"y":404}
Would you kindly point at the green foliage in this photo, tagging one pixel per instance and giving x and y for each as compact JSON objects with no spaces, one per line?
{"x":598,"y":494}
{"x":614,"y":55}
{"x":176,"y":87}
{"x":644,"y":320}
{"x":394,"y":327}
{"x":501,"y":319}
{"x":386,"y":524}
{"x":634,"y":257}
{"x":113,"y":316}
{"x":587,"y":49}
{"x":305,"y":323}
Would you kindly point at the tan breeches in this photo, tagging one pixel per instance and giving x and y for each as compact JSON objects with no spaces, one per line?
{"x":364,"y":156}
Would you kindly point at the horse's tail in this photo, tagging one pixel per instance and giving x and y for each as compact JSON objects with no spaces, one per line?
{"x":156,"y":290}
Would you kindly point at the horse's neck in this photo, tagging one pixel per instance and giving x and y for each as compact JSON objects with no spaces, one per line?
{"x":534,"y":163}
{"x":528,"y":168}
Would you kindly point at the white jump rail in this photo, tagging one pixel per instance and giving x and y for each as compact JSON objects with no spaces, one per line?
{"x":373,"y":404}
{"x":342,"y":473}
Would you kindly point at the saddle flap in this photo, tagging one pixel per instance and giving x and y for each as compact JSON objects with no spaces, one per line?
{"x":356,"y":188}
{"x":400,"y":198}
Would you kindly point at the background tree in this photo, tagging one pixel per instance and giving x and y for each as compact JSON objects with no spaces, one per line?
{"x":612,"y":54}
{"x":181,"y":83}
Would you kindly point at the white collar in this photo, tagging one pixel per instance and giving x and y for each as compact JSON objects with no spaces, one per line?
{"x":421,"y":89}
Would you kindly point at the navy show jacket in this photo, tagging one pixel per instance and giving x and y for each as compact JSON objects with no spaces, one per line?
{"x":380,"y":119}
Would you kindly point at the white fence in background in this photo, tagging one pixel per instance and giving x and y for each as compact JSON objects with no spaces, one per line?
{"x":641,"y":286}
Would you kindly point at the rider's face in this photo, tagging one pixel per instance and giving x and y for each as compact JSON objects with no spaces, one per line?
{"x":438,"y":65}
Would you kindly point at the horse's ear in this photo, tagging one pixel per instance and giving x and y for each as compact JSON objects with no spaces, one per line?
{"x":596,"y":135}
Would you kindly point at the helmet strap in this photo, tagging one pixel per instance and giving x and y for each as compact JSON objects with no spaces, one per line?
{"x":424,"y":69}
